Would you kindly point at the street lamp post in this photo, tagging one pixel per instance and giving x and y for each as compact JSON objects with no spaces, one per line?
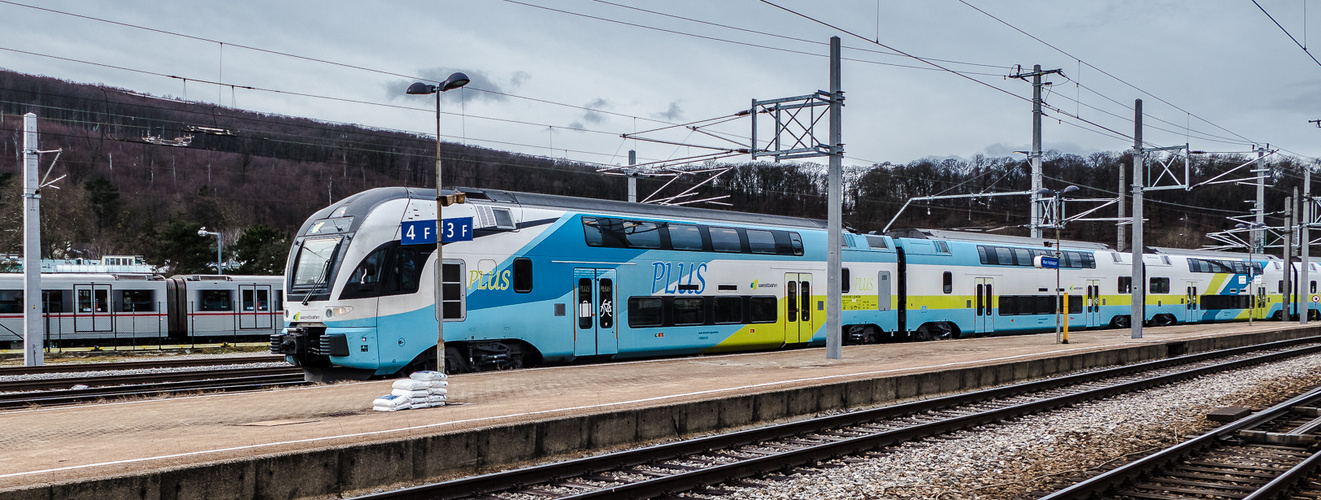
{"x":220,"y":267}
{"x":1252,"y":269}
{"x":454,"y":81}
{"x":1059,"y":255}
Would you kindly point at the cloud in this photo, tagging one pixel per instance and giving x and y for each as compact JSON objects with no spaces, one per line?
{"x":479,"y":81}
{"x":576,"y":126}
{"x":674,"y":113}
{"x":592,"y":116}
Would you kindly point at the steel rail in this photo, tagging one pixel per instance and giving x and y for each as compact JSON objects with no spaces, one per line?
{"x":12,"y":386}
{"x":506,"y":481}
{"x":1119,"y":477}
{"x":70,"y":396}
{"x":136,"y":365}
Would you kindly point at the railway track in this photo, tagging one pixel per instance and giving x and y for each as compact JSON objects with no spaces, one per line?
{"x":136,"y":365}
{"x":23,"y":393}
{"x":1267,"y":455}
{"x":701,"y":466}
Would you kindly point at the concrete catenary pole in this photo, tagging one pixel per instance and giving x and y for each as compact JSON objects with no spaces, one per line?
{"x":1286,"y":305}
{"x":1305,"y":247}
{"x":834,"y":264}
{"x":1139,"y":279}
{"x":1036,"y":151}
{"x":1259,"y":229}
{"x":33,"y":332}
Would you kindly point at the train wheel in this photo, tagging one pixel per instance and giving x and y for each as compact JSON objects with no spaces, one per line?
{"x":455,"y":362}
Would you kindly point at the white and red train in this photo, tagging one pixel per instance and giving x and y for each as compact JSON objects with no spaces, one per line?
{"x":134,"y":308}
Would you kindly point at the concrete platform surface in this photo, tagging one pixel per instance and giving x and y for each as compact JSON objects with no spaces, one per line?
{"x":136,"y":439}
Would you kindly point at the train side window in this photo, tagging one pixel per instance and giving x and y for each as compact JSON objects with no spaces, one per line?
{"x":263,"y":300}
{"x":404,"y":274}
{"x":645,"y":311}
{"x":948,"y":280}
{"x":279,"y":300}
{"x":640,"y":234}
{"x":1313,"y":288}
{"x":11,"y":301}
{"x":365,"y":281}
{"x":1160,"y":285}
{"x":796,"y":241}
{"x":249,"y":299}
{"x":982,"y":255}
{"x":52,"y":301}
{"x":522,"y":275}
{"x":760,"y":241}
{"x":685,"y":237}
{"x":689,"y":311}
{"x":1003,"y":256}
{"x":137,"y":300}
{"x":1023,"y":257}
{"x":728,"y":310}
{"x":592,"y":232}
{"x":762,"y":309}
{"x":844,"y":280}
{"x":725,"y":239}
{"x":452,"y":300}
{"x":215,"y":300}
{"x":1125,"y":284}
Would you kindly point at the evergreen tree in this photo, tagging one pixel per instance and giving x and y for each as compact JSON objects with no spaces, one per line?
{"x":261,"y":250}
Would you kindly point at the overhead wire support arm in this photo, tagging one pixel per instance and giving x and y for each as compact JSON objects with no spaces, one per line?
{"x":948,"y":197}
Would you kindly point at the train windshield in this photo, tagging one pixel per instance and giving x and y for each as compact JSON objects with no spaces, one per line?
{"x":312,"y":269}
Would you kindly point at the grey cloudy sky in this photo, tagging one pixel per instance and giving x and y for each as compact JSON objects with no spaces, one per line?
{"x":569,"y":76}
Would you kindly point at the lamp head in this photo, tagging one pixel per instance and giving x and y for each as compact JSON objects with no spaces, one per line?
{"x":421,"y":88}
{"x":456,"y":80}
{"x":1046,"y":192}
{"x":1069,"y":189}
{"x":202,"y":232}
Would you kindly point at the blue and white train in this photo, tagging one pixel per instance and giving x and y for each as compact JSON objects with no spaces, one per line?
{"x":531,"y":279}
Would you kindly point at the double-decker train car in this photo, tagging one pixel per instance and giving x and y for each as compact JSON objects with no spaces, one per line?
{"x":554,"y":279}
{"x":531,"y":279}
{"x":102,"y":308}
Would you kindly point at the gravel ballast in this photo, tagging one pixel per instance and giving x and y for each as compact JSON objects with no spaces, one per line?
{"x":1030,"y":456}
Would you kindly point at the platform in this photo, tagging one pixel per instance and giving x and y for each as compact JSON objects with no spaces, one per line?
{"x":325,"y":440}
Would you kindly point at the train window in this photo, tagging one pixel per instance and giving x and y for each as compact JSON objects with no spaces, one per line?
{"x":689,"y":311}
{"x":52,"y":301}
{"x":942,"y":246}
{"x":604,"y":232}
{"x":762,"y":309}
{"x":263,"y":300}
{"x":1160,"y":285}
{"x":1075,"y":260}
{"x":685,"y":237}
{"x":1003,"y":256}
{"x":404,"y":274}
{"x":1313,"y":288}
{"x":844,"y":280}
{"x":452,"y":300}
{"x":11,"y":301}
{"x":981,"y":254}
{"x":366,"y":278}
{"x":948,"y":282}
{"x":761,"y":241}
{"x":645,"y":311}
{"x":522,"y":275}
{"x":725,"y":239}
{"x":1125,"y":284}
{"x":1022,"y":256}
{"x":728,"y":310}
{"x":279,"y":300}
{"x":313,"y":265}
{"x":249,"y":299}
{"x":584,"y":302}
{"x":137,"y":300}
{"x":215,"y":300}
{"x":592,"y":231}
{"x":642,"y":234}
{"x":796,"y":242}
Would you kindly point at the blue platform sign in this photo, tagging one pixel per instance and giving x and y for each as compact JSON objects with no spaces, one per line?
{"x":1045,"y":262}
{"x":423,"y":232}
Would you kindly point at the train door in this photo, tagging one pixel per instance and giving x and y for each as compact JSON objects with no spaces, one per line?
{"x":595,"y":304}
{"x":883,"y":291}
{"x":800,"y":320}
{"x":92,"y":313}
{"x":983,"y":305}
{"x":256,"y":307}
{"x":1192,"y":310}
{"x":1092,"y":305}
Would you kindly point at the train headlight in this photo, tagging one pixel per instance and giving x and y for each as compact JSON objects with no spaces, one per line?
{"x":338,"y":311}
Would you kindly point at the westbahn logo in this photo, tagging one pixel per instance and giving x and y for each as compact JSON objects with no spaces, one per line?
{"x":758,"y":284}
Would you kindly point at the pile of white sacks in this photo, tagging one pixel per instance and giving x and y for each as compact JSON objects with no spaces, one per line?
{"x":423,"y":389}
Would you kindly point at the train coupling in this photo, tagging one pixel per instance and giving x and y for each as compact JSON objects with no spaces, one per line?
{"x":290,"y":342}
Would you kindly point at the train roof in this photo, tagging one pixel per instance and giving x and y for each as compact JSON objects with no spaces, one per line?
{"x":926,"y":234}
{"x":1211,"y":254}
{"x":362,"y":203}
